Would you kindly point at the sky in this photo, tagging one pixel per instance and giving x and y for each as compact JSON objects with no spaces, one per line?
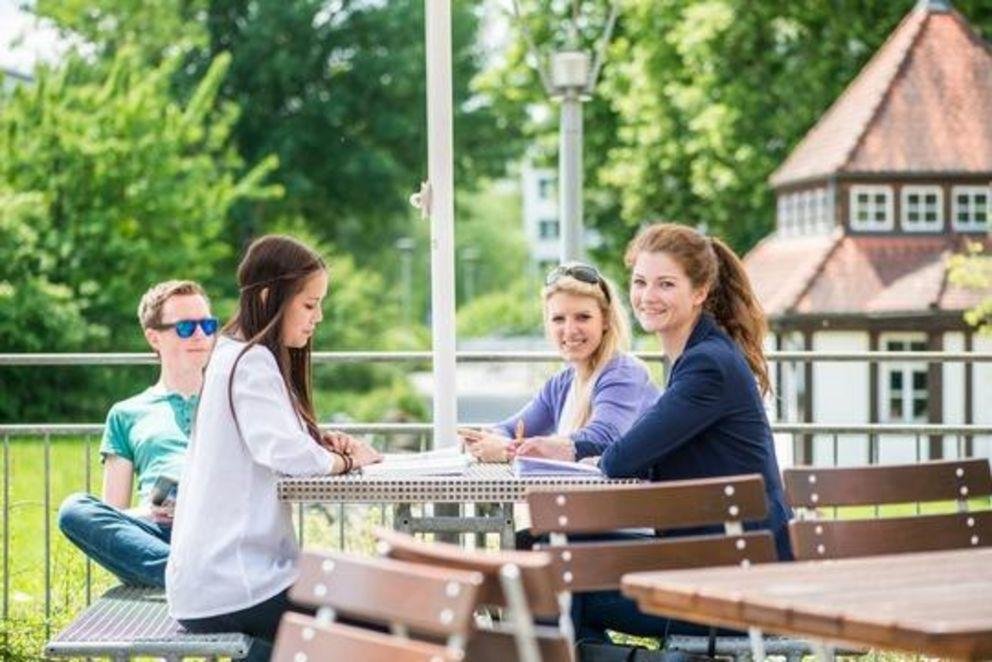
{"x":38,"y":41}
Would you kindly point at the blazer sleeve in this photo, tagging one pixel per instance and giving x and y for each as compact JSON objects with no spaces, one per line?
{"x":616,"y":404}
{"x":538,"y":415}
{"x":693,"y":401}
{"x":268,"y":423}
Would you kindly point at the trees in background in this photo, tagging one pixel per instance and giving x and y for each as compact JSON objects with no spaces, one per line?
{"x":107,"y":184}
{"x":700,"y":101}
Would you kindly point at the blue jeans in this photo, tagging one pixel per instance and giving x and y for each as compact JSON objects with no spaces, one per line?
{"x":133,"y":549}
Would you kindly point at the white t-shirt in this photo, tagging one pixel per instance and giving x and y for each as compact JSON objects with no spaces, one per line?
{"x":233,"y":544}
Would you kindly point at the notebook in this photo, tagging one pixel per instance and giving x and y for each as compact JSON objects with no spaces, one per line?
{"x":539,"y":466}
{"x":440,"y":462}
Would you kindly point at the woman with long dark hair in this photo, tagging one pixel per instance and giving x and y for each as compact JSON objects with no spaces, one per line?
{"x":693,"y":292}
{"x":234,"y":552}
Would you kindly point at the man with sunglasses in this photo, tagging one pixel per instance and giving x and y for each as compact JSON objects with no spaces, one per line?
{"x":145,"y":438}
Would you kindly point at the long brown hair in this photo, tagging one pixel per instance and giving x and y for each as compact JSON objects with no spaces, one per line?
{"x":709,"y":263}
{"x":273,"y":271}
{"x":616,"y":338}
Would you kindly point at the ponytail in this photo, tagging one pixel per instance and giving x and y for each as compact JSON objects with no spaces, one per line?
{"x":733,"y":303}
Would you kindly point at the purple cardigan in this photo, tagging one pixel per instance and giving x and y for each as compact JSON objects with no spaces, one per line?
{"x":622,"y":392}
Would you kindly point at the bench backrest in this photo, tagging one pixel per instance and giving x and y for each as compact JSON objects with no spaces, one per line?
{"x":521,"y":582}
{"x":812,"y":489}
{"x":599,"y":564}
{"x":422,"y":598}
{"x":534,"y":567}
{"x":306,"y":638}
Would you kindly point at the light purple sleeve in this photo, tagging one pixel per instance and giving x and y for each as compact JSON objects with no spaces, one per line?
{"x":621,"y":395}
{"x":538,"y":415}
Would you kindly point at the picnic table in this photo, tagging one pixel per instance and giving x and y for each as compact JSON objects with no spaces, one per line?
{"x":936,"y":603}
{"x":480,"y":484}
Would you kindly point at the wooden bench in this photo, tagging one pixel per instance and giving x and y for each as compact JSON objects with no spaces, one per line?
{"x":810,"y":490}
{"x":598,"y":565}
{"x":428,"y":611}
{"x":130,"y":621}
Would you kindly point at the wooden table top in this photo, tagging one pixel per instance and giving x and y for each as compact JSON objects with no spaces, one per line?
{"x":939,"y":603}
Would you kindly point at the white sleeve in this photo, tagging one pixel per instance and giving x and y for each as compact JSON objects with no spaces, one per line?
{"x":269,"y":425}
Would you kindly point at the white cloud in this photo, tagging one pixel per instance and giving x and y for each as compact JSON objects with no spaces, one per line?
{"x":25,"y":40}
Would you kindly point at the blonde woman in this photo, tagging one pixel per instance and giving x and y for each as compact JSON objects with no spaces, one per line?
{"x":596,"y":398}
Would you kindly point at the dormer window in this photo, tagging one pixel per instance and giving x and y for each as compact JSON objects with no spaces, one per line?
{"x":922,"y":208}
{"x":871,"y":208}
{"x":971,"y":208}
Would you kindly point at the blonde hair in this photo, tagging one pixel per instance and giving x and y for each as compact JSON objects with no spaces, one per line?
{"x":710,"y":263}
{"x":616,"y":339}
{"x":152,"y":301}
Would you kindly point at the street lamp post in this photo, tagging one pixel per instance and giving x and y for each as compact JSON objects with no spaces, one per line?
{"x":569,"y":78}
{"x":405,"y":247}
{"x":571,"y":81}
{"x":470,"y":258}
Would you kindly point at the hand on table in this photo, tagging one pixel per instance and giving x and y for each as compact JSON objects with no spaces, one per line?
{"x":359,"y":451}
{"x":552,"y":448}
{"x":484,"y":445}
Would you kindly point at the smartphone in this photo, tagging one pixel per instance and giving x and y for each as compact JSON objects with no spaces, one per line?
{"x":164,"y":491}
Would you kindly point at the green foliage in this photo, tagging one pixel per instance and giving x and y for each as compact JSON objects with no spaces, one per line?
{"x":973,"y":270}
{"x":106,"y":186}
{"x":700,"y":101}
{"x":513,"y":310}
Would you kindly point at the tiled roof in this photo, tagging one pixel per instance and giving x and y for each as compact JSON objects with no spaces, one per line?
{"x":858,"y":275}
{"x":921,"y":104}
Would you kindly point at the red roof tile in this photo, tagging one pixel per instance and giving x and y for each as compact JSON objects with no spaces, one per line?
{"x":859,"y":275}
{"x":921,"y":104}
{"x":780,"y":268}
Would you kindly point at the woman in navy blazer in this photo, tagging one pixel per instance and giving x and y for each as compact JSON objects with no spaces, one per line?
{"x":692,"y":291}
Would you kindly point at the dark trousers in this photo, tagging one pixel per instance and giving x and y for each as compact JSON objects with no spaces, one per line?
{"x":259,"y":622}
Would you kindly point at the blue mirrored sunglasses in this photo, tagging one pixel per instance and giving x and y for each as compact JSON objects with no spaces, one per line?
{"x":186,"y":328}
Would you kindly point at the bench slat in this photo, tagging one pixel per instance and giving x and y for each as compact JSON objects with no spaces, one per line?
{"x":135,"y":621}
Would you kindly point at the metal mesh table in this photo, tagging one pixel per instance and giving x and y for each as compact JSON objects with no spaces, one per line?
{"x":481,"y":483}
{"x":129,"y":621}
{"x":491,"y":484}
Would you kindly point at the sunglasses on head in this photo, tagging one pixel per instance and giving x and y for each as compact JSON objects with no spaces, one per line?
{"x":580,"y":272}
{"x":186,"y":328}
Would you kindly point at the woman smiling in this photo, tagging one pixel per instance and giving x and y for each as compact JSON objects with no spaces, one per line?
{"x":589,"y":404}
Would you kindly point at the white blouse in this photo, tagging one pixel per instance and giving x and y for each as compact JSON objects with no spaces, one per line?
{"x":233,"y":544}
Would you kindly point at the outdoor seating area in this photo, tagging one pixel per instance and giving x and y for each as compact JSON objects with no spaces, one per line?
{"x":420,"y":600}
{"x":497,"y":331}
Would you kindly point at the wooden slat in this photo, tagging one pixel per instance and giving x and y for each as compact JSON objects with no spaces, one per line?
{"x":853,"y":486}
{"x":426,"y":598}
{"x":598,"y":566}
{"x":491,"y":646}
{"x":535,"y":568}
{"x":822,"y":539}
{"x":933,"y":602}
{"x":667,"y":505}
{"x":302,"y":638}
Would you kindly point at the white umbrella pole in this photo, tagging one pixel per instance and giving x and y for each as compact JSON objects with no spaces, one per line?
{"x":441,"y":209}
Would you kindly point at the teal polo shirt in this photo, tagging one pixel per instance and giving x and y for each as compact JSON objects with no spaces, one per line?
{"x":151,"y":430}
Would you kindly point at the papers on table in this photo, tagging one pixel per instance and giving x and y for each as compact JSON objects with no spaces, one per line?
{"x":539,"y":466}
{"x":441,"y":462}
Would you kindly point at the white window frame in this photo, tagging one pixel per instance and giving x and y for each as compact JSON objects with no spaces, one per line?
{"x":826,"y":211}
{"x":908,"y":369}
{"x":971,"y":192}
{"x":871,"y":191}
{"x":922,"y":225}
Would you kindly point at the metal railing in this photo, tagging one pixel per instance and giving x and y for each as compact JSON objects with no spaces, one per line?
{"x":420,"y":433}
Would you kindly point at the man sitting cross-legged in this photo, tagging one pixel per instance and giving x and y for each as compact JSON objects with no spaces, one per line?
{"x":145,"y":438}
